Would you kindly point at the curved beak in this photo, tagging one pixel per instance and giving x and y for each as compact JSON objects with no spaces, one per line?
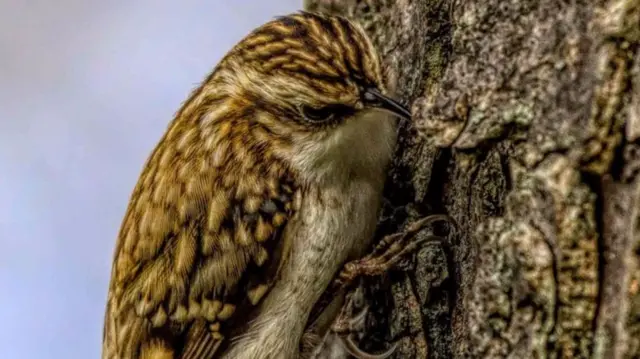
{"x":374,"y":98}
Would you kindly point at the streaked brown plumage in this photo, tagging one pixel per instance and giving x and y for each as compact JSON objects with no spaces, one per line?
{"x":267,"y":180}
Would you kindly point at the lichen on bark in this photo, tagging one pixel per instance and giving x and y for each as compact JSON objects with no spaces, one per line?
{"x":526,"y":130}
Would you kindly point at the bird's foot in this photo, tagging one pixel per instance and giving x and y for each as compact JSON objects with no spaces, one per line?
{"x":347,"y":325}
{"x":390,"y":251}
{"x":385,"y":255}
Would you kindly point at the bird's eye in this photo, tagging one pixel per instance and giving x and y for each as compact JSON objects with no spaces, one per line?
{"x":322,"y":114}
{"x":328,"y":113}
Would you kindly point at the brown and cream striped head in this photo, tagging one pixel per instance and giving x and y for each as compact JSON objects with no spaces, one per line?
{"x":312,"y":70}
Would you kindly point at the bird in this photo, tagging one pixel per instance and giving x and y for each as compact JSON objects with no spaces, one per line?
{"x":268,"y":179}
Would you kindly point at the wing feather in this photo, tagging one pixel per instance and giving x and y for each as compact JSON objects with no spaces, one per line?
{"x":196,"y":246}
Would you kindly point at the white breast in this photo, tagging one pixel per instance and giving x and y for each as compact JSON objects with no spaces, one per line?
{"x":361,"y":147}
{"x":337,"y":218}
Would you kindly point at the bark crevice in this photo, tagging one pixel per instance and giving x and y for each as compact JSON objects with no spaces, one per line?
{"x":526,"y":130}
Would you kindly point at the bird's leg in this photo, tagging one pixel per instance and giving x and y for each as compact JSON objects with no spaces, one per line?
{"x":384,"y":256}
{"x":388,"y":252}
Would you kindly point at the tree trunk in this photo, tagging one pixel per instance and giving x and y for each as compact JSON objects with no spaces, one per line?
{"x":526,"y":130}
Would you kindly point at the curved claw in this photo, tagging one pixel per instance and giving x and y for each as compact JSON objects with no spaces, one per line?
{"x":351,"y":346}
{"x":358,"y":320}
{"x":357,"y":297}
{"x":416,"y":226}
{"x":412,"y":230}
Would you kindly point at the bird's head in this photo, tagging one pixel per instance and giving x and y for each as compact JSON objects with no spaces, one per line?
{"x":314,"y":85}
{"x":312,"y":70}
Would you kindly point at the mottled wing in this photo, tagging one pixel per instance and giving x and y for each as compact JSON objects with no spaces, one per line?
{"x":196,"y":246}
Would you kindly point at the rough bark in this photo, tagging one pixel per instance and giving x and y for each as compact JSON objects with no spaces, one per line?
{"x":526,"y":130}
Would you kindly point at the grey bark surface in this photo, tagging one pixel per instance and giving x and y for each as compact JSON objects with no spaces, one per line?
{"x":526,"y":130}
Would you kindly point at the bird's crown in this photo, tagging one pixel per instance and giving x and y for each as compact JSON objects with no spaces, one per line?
{"x":312,"y":68}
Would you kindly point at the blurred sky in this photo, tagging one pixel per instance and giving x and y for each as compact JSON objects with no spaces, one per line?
{"x":86,"y":90}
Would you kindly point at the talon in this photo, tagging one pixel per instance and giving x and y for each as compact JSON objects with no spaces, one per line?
{"x":392,"y":256}
{"x":411,"y":231}
{"x":387,"y":253}
{"x":357,"y":298}
{"x":358,"y":320}
{"x":411,"y":247}
{"x":418,"y":225}
{"x":351,"y":347}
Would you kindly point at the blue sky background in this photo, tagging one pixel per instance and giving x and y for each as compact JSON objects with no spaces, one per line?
{"x":86,"y":89}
